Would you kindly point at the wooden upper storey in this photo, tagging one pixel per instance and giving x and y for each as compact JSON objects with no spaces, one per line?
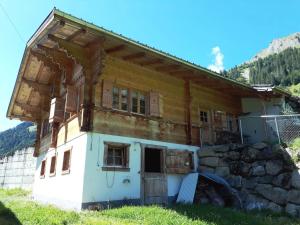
{"x":63,"y":43}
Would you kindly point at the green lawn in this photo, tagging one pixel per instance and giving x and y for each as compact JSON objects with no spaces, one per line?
{"x":16,"y":208}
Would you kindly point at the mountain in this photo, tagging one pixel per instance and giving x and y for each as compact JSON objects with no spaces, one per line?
{"x":278,"y":64}
{"x":16,"y":138}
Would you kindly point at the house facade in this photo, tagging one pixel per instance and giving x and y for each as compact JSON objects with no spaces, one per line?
{"x":117,"y":121}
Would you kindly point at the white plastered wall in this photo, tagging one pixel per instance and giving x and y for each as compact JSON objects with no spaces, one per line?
{"x":63,"y":190}
{"x":105,"y":186}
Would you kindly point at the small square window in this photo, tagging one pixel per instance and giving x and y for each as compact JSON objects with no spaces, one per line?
{"x":66,"y":162}
{"x":43,"y":169}
{"x":116,"y":155}
{"x":52,"y":165}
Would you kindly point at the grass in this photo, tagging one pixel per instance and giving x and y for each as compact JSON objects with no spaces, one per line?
{"x":295,"y":89}
{"x":16,"y":208}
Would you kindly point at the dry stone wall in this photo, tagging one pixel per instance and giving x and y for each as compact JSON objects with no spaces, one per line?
{"x":266,"y":177}
{"x":17,"y":170}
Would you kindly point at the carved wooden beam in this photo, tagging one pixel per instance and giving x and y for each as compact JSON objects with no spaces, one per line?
{"x":151,"y":62}
{"x":134,"y":56}
{"x":115,"y":49}
{"x":43,"y":89}
{"x":47,"y":61}
{"x":58,"y":57}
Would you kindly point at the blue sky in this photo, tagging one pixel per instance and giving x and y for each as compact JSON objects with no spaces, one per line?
{"x":200,"y":31}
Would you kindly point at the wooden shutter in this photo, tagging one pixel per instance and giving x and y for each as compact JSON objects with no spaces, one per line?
{"x":107,"y":94}
{"x":56,"y":110}
{"x":71,"y":99}
{"x":179,"y":162}
{"x":154,"y":107}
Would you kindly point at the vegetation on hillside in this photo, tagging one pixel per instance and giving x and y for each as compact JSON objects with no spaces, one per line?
{"x":278,"y":69}
{"x":16,"y":208}
{"x":21,"y":136}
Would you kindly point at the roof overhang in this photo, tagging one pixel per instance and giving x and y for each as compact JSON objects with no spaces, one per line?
{"x":37,"y":70}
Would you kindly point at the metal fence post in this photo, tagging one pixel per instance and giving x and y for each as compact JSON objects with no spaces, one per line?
{"x":278,"y":135}
{"x":241,"y":131}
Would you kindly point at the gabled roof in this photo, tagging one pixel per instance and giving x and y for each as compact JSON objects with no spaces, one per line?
{"x":33,"y":72}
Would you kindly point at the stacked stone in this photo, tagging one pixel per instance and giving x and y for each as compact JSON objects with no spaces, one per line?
{"x":266,"y":177}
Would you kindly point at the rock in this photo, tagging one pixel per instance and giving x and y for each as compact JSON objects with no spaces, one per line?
{"x":233,"y":155}
{"x":292,"y":209}
{"x":277,"y":148}
{"x":244,"y":168}
{"x":260,"y":145}
{"x":206,"y":169}
{"x":250,"y":155}
{"x":295,"y":181}
{"x":294,"y":196}
{"x":222,"y":171}
{"x":267,"y":154}
{"x":277,"y":195}
{"x":208,"y":152}
{"x":209,"y":161}
{"x":274,"y":167}
{"x":282,"y":180}
{"x":253,"y":202}
{"x":221,"y":148}
{"x":235,"y":168}
{"x":235,"y":181}
{"x":258,"y":171}
{"x":264,"y":180}
{"x":222,"y":162}
{"x":236,"y":147}
{"x":274,"y":207}
{"x":249,"y":183}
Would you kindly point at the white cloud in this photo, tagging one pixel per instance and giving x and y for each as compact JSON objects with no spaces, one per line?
{"x":217,"y":65}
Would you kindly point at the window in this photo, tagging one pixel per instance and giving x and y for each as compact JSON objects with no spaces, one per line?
{"x":52,"y":166}
{"x":138,"y":102}
{"x":116,"y":155}
{"x":43,"y":169}
{"x":66,"y":162}
{"x":46,"y":128}
{"x":204,"y":116}
{"x":120,"y":98}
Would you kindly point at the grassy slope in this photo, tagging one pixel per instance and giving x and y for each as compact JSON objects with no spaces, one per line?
{"x":16,"y":208}
{"x":295,"y":89}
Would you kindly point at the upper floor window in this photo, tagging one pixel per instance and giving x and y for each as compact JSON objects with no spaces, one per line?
{"x":46,"y":128}
{"x":204,"y":116}
{"x":43,"y":169}
{"x":138,"y":104}
{"x":120,"y":98}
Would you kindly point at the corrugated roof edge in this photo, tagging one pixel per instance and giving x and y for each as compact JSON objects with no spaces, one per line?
{"x":146,"y":47}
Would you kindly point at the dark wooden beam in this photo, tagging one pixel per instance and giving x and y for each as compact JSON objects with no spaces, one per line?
{"x":151,"y":62}
{"x":76,"y":34}
{"x":134,"y":56}
{"x":115,"y":49}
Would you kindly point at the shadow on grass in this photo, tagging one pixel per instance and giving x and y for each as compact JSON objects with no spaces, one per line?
{"x":7,"y":217}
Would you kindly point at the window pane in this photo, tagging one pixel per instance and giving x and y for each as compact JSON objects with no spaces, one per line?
{"x":142,"y":104}
{"x":134,"y":102}
{"x":124,"y":99}
{"x":116,"y":98}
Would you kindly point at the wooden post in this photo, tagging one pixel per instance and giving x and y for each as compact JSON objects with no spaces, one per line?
{"x":188,"y":102}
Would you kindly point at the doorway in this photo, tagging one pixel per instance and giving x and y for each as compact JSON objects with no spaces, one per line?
{"x":154,"y":180}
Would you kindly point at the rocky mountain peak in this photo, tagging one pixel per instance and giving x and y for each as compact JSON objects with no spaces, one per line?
{"x":278,"y":45}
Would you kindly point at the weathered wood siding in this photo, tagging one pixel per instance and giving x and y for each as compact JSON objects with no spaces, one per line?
{"x":172,"y":124}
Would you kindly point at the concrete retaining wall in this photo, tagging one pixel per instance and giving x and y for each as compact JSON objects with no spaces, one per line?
{"x":17,"y":171}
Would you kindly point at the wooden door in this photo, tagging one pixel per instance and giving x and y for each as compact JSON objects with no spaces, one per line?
{"x":153,"y":175}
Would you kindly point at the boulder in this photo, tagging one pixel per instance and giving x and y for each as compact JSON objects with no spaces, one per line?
{"x":233,"y":155}
{"x":223,"y":171}
{"x":282,"y":180}
{"x":265,"y":179}
{"x":292,"y":209}
{"x":274,"y":207}
{"x":294,"y":196}
{"x":253,"y":202}
{"x":235,"y":181}
{"x":295,"y":180}
{"x":249,"y":183}
{"x":274,"y":167}
{"x":260,"y":145}
{"x":208,"y":152}
{"x":244,"y":168}
{"x":206,"y":169}
{"x":236,"y":147}
{"x":221,"y":148}
{"x":274,"y":194}
{"x":258,"y":171}
{"x":250,"y":154}
{"x":209,"y":161}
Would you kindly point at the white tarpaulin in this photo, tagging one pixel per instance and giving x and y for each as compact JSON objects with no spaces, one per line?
{"x":188,"y":188}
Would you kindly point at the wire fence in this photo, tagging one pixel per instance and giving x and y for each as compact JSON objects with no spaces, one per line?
{"x":281,"y":129}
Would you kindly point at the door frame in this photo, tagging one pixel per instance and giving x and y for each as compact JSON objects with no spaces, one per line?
{"x":142,"y":171}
